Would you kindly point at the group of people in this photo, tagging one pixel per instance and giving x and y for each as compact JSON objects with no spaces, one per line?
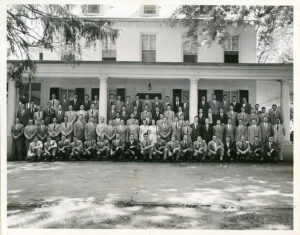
{"x":147,"y":130}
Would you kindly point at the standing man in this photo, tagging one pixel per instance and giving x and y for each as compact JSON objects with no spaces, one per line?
{"x":266,"y":130}
{"x":215,"y":105}
{"x":96,"y":102}
{"x":204,"y":105}
{"x":59,"y":114}
{"x":71,"y":114}
{"x":38,"y":115}
{"x":225,"y":104}
{"x":279,"y":133}
{"x":118,"y":104}
{"x":29,"y":133}
{"x":134,"y":129}
{"x":207,"y":131}
{"x":23,"y":115}
{"x":176,"y":129}
{"x":49,"y":114}
{"x":236,"y":105}
{"x":232,"y":115}
{"x":32,"y":109}
{"x":169,"y":113}
{"x":79,"y":128}
{"x":253,"y":131}
{"x":262,"y":115}
{"x":138,"y":104}
{"x":240,"y":131}
{"x":128,"y":104}
{"x":177,"y":104}
{"x":42,"y":131}
{"x":90,"y":130}
{"x":166,"y":103}
{"x":101,"y":128}
{"x":196,"y":129}
{"x":111,"y":101}
{"x":75,"y":103}
{"x":111,"y":131}
{"x":122,"y":131}
{"x":65,"y":103}
{"x":274,"y":114}
{"x":148,"y":102}
{"x":222,"y":116}
{"x":54,"y":102}
{"x":186,"y":108}
{"x":243,"y":116}
{"x":218,"y":130}
{"x":66,"y":128}
{"x":187,"y":130}
{"x":229,"y":130}
{"x":246,"y":106}
{"x":17,"y":131}
{"x":86,"y":102}
{"x":54,"y":130}
{"x":157,"y":104}
{"x":156,"y":113}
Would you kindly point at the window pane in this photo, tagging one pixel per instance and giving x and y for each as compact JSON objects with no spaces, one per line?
{"x":152,"y":42}
{"x":93,"y":8}
{"x":149,"y":9}
{"x":227,"y":44}
{"x":235,"y":43}
{"x":144,"y":42}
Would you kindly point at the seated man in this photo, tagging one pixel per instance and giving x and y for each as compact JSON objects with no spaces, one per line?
{"x":271,"y":151}
{"x":160,"y":150}
{"x":242,"y":149}
{"x":256,"y":150}
{"x":186,"y":149}
{"x":117,"y":148}
{"x":146,"y":148}
{"x":76,"y":149}
{"x":89,"y":151}
{"x":215,"y":149}
{"x":200,"y":149}
{"x":132,"y":148}
{"x":102,"y":148}
{"x":229,"y":149}
{"x":63,"y":148}
{"x":173,"y":147}
{"x":50,"y":148}
{"x":35,"y":150}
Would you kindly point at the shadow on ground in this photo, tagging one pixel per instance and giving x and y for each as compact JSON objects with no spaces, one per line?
{"x":140,"y":195}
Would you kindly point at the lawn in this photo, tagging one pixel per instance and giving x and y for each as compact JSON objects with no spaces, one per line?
{"x":116,"y":195}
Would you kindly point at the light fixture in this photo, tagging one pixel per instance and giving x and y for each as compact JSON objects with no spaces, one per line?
{"x":149,"y":86}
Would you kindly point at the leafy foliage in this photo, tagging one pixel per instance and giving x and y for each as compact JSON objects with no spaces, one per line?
{"x":49,"y":26}
{"x":274,"y":26}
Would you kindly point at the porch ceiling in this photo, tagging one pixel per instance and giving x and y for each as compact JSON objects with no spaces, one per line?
{"x":139,"y":70}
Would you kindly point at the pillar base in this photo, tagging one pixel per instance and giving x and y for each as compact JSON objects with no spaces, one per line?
{"x":9,"y":148}
{"x":288,"y":153}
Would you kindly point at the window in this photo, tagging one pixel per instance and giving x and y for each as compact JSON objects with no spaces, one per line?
{"x":108,"y":51}
{"x":41,"y":56}
{"x":148,"y":48}
{"x":35,"y":92}
{"x":93,"y":9}
{"x":190,"y":51}
{"x":231,"y":49}
{"x":67,"y":53}
{"x":149,"y":10}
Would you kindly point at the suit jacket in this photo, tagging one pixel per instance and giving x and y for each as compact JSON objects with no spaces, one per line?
{"x":229,"y":131}
{"x":187,"y":130}
{"x":78,"y":130}
{"x":278,"y":133}
{"x":170,"y":115}
{"x":156,"y":116}
{"x":60,"y":117}
{"x":266,"y":131}
{"x":202,"y":118}
{"x":66,"y":143}
{"x":143,"y":115}
{"x":72,"y":116}
{"x":31,"y":112}
{"x":135,"y":144}
{"x":101,"y":129}
{"x":76,"y":105}
{"x":23,"y":117}
{"x":244,"y":117}
{"x":219,"y":131}
{"x":215,"y":106}
{"x":84,"y":115}
{"x":196,"y":131}
{"x":18,"y":131}
{"x":66,"y":129}
{"x":49,"y":115}
{"x":223,"y":118}
{"x":242,"y":146}
{"x":236,"y":107}
{"x":186,"y":110}
{"x":255,"y":146}
{"x":87,"y":104}
{"x":158,"y":104}
{"x":172,"y":145}
{"x":230,"y":147}
{"x":252,"y":132}
{"x":225,"y":106}
{"x":178,"y":114}
{"x":93,"y":113}
{"x":176,"y":130}
{"x":54,"y":103}
{"x":197,"y":144}
{"x":211,"y":146}
{"x":274,"y":115}
{"x":102,"y":144}
{"x":253,"y":117}
{"x":38,"y":116}
{"x":123,"y":131}
{"x":119,"y":105}
{"x":241,"y":131}
{"x":117,"y":143}
{"x":47,"y":145}
{"x":165,"y":104}
{"x":267,"y":147}
{"x":129,"y":107}
{"x":96,"y":104}
{"x":165,"y":130}
{"x":233,"y":117}
{"x":42,"y":133}
{"x":55,"y":130}
{"x":205,"y":106}
{"x":247,"y":107}
{"x":111,"y":115}
{"x":124,"y":115}
{"x":186,"y":145}
{"x":90,"y":131}
{"x":131,"y":121}
{"x":149,"y":102}
{"x":207,"y":133}
{"x":176,"y":106}
{"x":111,"y":132}
{"x":135,"y":130}
{"x":65,"y":104}
{"x":261,"y":117}
{"x":139,"y":105}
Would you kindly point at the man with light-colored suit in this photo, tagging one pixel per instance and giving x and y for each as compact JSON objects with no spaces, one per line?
{"x":229,"y":129}
{"x":278,"y":136}
{"x":215,"y":105}
{"x":243,"y":116}
{"x":266,"y":130}
{"x":66,"y":128}
{"x":232,"y":115}
{"x":274,"y":114}
{"x":38,"y":115}
{"x":169,"y":114}
{"x":240,"y":131}
{"x":59,"y":114}
{"x":225,"y":104}
{"x":253,"y":131}
{"x":219,"y":130}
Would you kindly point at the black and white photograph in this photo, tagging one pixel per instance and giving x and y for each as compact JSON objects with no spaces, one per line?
{"x":149,"y":115}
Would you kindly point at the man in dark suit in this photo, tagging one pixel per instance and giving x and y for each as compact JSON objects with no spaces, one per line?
{"x":207,"y":131}
{"x":138,"y":103}
{"x":156,"y":113}
{"x":195,"y":129}
{"x":49,"y":114}
{"x":221,"y":116}
{"x":117,"y":148}
{"x":204,"y":105}
{"x":23,"y":115}
{"x":17,"y":133}
{"x":177,"y":104}
{"x":246,"y":106}
{"x":271,"y":151}
{"x":75,"y":103}
{"x":156,"y":103}
{"x":256,"y":150}
{"x":236,"y":105}
{"x":65,"y":103}
{"x":186,"y":149}
{"x":229,"y":149}
{"x":186,"y":108}
{"x":201,"y":116}
{"x":31,"y":110}
{"x":59,"y":114}
{"x":132,"y":148}
{"x":87,"y":103}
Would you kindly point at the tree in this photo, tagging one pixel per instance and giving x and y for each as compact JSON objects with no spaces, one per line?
{"x":274,"y":25}
{"x":49,"y":26}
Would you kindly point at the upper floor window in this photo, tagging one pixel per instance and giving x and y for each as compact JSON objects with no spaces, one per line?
{"x":108,"y":50}
{"x":190,"y":50}
{"x":231,"y":49}
{"x":149,"y":10}
{"x":68,"y":53}
{"x":93,"y":9}
{"x":148,"y":47}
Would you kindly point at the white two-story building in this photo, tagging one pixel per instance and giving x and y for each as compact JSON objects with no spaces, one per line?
{"x":150,"y":56}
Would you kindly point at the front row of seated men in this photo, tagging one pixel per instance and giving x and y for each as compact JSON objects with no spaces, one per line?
{"x":146,"y":150}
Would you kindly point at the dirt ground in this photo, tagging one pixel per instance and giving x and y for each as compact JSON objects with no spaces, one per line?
{"x":116,"y":195}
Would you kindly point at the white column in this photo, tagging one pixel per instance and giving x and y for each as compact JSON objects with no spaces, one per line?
{"x":103,"y":98}
{"x":193,"y":98}
{"x":285,"y":107}
{"x":11,"y":104}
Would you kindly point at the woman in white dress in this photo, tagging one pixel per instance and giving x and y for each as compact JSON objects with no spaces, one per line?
{"x":143,"y":129}
{"x":153,"y":132}
{"x":83,"y":113}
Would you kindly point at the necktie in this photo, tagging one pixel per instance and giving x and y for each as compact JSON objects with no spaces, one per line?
{"x":92,"y":111}
{"x":54,"y":126}
{"x":66,"y":125}
{"x":39,"y":113}
{"x":52,"y":102}
{"x":277,"y":127}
